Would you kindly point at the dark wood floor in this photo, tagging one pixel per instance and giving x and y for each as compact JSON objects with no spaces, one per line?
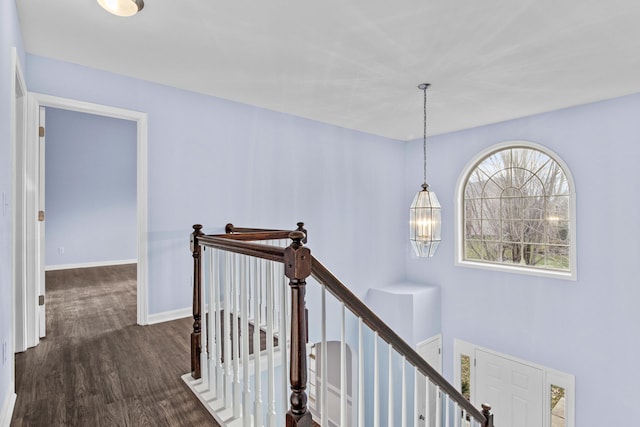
{"x":96,"y":367}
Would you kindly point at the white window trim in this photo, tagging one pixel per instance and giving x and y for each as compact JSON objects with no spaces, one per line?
{"x":459,"y":216}
{"x":551,"y":377}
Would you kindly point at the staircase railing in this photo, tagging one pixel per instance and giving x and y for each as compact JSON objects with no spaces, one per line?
{"x":452,"y":409}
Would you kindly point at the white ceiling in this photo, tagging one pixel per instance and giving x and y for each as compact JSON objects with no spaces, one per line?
{"x":357,"y":63}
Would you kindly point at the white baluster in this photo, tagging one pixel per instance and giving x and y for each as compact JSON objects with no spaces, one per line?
{"x":343,"y":368}
{"x":324,"y":404}
{"x":283,"y":337}
{"x":403,"y":407}
{"x":360,"y":375}
{"x":390,"y":388}
{"x":271,"y":410}
{"x":228,"y":374}
{"x":244,"y":331}
{"x":438,"y":406}
{"x":236,"y":342}
{"x":219,"y":335}
{"x":427,"y":400}
{"x":204,"y":354}
{"x":417,"y":377}
{"x":258,"y":279}
{"x":457,"y":420}
{"x":447,"y":409}
{"x":376,"y":383}
{"x":211,"y":330}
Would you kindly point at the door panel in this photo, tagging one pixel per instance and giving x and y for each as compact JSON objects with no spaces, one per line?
{"x":514,"y":390}
{"x":431,"y":352}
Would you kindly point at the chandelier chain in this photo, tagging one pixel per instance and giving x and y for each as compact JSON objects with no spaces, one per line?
{"x":424,"y":138}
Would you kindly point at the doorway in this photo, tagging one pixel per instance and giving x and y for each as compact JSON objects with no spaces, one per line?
{"x":35,"y":103}
{"x":521,"y":393}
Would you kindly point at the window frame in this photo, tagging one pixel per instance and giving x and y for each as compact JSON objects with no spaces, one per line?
{"x":468,"y":170}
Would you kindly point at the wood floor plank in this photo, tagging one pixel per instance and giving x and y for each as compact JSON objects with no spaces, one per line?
{"x":96,"y":367}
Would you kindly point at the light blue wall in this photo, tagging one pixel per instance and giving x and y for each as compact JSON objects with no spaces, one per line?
{"x":90,"y":188}
{"x":213,"y":161}
{"x":589,"y":327}
{"x":9,"y":37}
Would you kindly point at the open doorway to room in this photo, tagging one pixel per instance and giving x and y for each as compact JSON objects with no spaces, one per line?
{"x":87,"y":207}
{"x":90,"y":194}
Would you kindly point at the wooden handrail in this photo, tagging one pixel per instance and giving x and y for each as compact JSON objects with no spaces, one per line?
{"x":298,"y":264}
{"x":221,"y":241}
{"x":351,"y":301}
{"x":246,"y":233}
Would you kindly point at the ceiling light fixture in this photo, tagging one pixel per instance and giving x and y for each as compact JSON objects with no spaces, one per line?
{"x":122,"y":7}
{"x":424,"y":215}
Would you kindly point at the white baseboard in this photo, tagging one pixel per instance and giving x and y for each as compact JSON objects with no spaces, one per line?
{"x":7,"y":406}
{"x":167,"y":316}
{"x":89,"y":264}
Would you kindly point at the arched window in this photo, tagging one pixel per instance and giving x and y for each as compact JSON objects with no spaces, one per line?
{"x":516,"y":211}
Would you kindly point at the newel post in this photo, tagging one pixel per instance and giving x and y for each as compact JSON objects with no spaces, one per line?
{"x":297,"y":267}
{"x":196,"y":342}
{"x":486,"y":411}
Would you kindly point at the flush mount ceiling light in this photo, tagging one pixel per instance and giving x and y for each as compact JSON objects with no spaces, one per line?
{"x":424,"y":214}
{"x":122,"y":7}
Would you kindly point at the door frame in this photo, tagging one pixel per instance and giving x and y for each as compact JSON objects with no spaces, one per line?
{"x":550,"y":377}
{"x":37,"y":100}
{"x":18,"y":138}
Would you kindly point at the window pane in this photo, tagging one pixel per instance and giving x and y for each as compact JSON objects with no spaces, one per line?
{"x":472,"y":208}
{"x":517,"y":210}
{"x":465,"y":376}
{"x":473,"y":250}
{"x":558,"y":413}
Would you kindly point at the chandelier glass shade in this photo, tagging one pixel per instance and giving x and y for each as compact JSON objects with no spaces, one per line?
{"x":425,"y":219}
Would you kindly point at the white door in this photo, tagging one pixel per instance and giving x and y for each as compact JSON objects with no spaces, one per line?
{"x":515,"y":390}
{"x":431,"y":351}
{"x":42,"y":320}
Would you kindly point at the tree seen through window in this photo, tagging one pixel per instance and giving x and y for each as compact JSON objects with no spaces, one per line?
{"x":517,"y":210}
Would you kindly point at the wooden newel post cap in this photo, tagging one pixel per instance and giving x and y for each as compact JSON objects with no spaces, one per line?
{"x":297,"y":236}
{"x":486,"y":411}
{"x":197,"y":227}
{"x":301,"y":228}
{"x":297,"y":258}
{"x":228,"y":229}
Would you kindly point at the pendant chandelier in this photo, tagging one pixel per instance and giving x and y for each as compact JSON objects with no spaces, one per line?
{"x":424,"y":215}
{"x":122,"y":7}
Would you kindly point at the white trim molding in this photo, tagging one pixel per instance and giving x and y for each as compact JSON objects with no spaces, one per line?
{"x":41,"y":100}
{"x":167,"y":316}
{"x":7,"y":406}
{"x":90,"y":264}
{"x":18,"y":138}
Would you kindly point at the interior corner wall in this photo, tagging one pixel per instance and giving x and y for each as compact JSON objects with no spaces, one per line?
{"x":213,"y":161}
{"x":587,"y":327}
{"x":9,"y":38}
{"x":90,"y":188}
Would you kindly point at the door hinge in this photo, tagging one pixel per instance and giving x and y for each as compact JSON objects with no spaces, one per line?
{"x":439,"y":351}
{"x":41,"y":131}
{"x":41,"y":300}
{"x":40,"y":216}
